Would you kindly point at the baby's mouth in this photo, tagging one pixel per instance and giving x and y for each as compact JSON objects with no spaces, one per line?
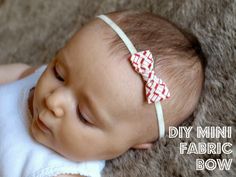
{"x":42,"y":126}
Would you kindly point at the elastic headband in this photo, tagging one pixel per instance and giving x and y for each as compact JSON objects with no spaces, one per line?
{"x":137,"y":59}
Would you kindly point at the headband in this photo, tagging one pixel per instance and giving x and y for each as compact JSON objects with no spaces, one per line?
{"x":143,"y":63}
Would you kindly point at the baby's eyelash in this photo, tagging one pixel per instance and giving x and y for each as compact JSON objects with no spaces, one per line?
{"x":81,"y":117}
{"x":56,"y":74}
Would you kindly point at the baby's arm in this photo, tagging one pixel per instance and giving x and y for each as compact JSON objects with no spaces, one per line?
{"x":13,"y":72}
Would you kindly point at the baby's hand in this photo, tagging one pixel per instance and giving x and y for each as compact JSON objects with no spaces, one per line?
{"x":12,"y":72}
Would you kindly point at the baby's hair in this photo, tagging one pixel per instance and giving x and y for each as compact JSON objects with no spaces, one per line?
{"x":179,"y":60}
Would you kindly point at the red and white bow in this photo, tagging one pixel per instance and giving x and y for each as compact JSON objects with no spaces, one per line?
{"x":156,"y":89}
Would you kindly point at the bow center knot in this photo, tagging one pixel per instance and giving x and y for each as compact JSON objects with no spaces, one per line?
{"x":156,"y":89}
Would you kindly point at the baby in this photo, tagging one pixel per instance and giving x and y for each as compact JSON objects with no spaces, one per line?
{"x":117,"y":84}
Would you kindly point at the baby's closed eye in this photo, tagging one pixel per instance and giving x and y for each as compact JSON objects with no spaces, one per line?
{"x":82,"y":117}
{"x":57,"y":74}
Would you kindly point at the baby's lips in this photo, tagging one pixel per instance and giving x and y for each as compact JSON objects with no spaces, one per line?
{"x":42,"y":125}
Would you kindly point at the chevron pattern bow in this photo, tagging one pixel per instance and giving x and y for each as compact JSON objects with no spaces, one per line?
{"x":156,"y":89}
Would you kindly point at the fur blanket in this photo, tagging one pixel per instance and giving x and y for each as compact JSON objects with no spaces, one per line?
{"x":32,"y":31}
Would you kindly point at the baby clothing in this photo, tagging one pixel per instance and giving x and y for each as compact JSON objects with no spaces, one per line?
{"x":20,"y":154}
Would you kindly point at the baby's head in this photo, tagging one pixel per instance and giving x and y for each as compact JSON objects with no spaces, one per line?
{"x":90,"y":103}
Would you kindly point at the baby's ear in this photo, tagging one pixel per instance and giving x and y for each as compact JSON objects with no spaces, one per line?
{"x":143,"y":146}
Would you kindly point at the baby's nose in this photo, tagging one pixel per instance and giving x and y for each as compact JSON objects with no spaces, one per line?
{"x":57,"y":102}
{"x":58,"y":112}
{"x":53,"y":104}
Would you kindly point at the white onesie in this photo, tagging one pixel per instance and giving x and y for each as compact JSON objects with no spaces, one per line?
{"x":20,"y":154}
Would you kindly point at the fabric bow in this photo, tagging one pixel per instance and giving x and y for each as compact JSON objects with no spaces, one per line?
{"x":156,"y":89}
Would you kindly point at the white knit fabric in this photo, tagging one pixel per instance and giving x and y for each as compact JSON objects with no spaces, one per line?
{"x":20,"y":155}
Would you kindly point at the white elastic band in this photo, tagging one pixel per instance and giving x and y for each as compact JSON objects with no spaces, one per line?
{"x":132,"y":49}
{"x":160,"y":119}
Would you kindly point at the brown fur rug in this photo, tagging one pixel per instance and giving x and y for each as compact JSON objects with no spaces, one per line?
{"x":31,"y":31}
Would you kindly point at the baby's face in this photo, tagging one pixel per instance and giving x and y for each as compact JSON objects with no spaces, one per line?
{"x":89,"y":104}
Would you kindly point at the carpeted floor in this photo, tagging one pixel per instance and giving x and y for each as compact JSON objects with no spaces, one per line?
{"x":31,"y":31}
